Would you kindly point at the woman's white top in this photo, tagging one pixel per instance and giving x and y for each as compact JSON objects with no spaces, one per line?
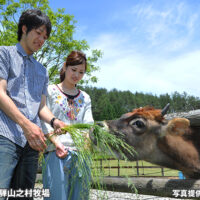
{"x":57,"y":102}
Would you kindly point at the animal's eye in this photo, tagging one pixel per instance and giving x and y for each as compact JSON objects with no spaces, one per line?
{"x":139,"y":124}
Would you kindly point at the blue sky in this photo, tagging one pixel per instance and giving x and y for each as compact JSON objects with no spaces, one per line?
{"x":150,"y":46}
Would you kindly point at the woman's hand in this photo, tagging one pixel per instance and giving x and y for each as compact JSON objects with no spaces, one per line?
{"x":61,"y":151}
{"x":58,"y":124}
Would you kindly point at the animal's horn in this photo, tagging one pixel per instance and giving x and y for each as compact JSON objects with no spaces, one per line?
{"x":165,"y":109}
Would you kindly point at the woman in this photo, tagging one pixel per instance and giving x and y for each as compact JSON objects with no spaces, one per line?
{"x":60,"y":171}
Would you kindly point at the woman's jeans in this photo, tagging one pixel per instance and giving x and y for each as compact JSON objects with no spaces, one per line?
{"x":18,"y":166}
{"x":67,"y":179}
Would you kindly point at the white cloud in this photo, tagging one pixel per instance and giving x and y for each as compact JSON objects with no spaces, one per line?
{"x":170,"y":26}
{"x":155,"y":50}
{"x":125,"y":69}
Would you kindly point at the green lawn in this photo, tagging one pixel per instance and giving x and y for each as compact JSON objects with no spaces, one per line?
{"x":129,"y":169}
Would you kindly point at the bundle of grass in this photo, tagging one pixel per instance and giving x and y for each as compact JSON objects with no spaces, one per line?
{"x":102,"y":146}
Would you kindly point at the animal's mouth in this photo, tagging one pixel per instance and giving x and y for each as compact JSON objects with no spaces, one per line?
{"x":96,"y":140}
{"x":117,"y":144}
{"x":92,"y":133}
{"x":112,"y":129}
{"x":103,"y":124}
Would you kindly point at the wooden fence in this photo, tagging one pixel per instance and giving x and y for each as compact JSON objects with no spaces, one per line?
{"x":145,"y":183}
{"x":112,"y":167}
{"x":138,"y":169}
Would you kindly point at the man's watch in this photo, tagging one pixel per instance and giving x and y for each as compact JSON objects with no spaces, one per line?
{"x":51,"y":122}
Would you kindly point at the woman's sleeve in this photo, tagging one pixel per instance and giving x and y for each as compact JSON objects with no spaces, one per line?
{"x":88,"y":118}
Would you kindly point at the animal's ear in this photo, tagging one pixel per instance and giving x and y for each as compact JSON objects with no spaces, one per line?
{"x":178,"y":126}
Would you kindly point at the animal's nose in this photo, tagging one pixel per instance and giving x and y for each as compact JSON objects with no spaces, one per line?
{"x":100,"y":123}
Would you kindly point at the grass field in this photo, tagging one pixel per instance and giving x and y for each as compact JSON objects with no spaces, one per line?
{"x":125,"y":168}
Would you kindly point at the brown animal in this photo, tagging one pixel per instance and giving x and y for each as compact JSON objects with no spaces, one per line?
{"x":169,"y":143}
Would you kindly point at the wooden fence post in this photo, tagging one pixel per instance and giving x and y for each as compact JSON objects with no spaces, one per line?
{"x":137,"y":168}
{"x":162,"y":171}
{"x":118,"y":169}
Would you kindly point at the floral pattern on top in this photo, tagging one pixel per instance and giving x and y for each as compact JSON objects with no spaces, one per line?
{"x":70,"y":108}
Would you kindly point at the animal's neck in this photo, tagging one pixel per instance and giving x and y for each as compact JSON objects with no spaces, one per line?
{"x":181,"y":154}
{"x":159,"y":157}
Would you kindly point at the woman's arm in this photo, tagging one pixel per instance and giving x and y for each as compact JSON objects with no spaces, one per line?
{"x":61,"y":151}
{"x":46,"y":115}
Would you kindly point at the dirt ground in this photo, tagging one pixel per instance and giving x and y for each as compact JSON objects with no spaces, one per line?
{"x":108,"y":195}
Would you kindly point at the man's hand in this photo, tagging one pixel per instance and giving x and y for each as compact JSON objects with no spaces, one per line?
{"x":34,"y":136}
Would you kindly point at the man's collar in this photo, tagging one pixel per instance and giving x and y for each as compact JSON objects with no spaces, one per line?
{"x":20,"y":49}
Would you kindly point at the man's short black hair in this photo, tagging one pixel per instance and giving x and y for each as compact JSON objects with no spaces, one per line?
{"x":33,"y":19}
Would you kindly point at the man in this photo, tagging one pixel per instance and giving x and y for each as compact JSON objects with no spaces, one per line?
{"x":23,"y":84}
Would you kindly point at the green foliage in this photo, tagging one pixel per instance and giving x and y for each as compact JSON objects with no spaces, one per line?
{"x":60,"y":43}
{"x":104,"y":141}
{"x":102,"y":147}
{"x":112,"y":104}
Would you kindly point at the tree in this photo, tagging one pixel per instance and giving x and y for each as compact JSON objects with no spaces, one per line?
{"x":112,"y":104}
{"x":61,"y":40}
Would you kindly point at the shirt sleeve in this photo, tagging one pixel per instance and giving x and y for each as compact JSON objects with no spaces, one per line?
{"x":88,"y":117}
{"x":4,"y":63}
{"x":46,"y":128}
{"x":46,"y":83}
